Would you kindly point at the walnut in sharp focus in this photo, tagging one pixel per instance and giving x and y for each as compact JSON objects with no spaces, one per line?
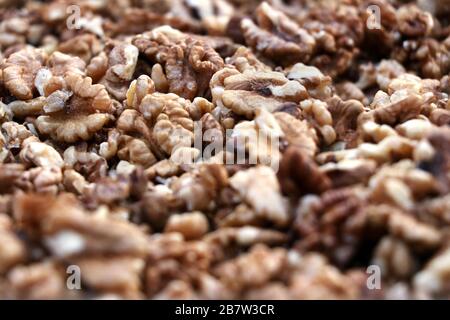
{"x":244,"y":92}
{"x":58,"y":64}
{"x":189,"y":63}
{"x":317,"y":84}
{"x":75,"y":111}
{"x":122,"y":59}
{"x":172,"y":118}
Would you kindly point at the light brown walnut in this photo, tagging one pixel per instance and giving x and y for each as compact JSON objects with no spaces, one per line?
{"x":20,"y":70}
{"x":77,"y":112}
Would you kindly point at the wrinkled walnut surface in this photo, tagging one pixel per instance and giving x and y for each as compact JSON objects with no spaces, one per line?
{"x":102,"y":166}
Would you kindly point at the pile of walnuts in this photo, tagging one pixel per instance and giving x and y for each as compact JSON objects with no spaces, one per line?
{"x":100,"y":166}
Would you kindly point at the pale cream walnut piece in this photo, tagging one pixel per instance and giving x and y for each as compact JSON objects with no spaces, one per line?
{"x":58,"y":64}
{"x":390,"y":148}
{"x":33,"y":107}
{"x":317,"y":84}
{"x":138,"y":89}
{"x":259,"y":187}
{"x":381,"y":74}
{"x":401,"y":183}
{"x":349,"y":91}
{"x":408,"y":84}
{"x":172,"y":118}
{"x":240,"y":216}
{"x":122,"y":60}
{"x":316,"y":111}
{"x":345,"y":119}
{"x":386,"y":71}
{"x":163,"y":169}
{"x":15,"y":134}
{"x":125,"y":168}
{"x":245,"y":60}
{"x":244,"y":92}
{"x":185,"y":157}
{"x":349,"y":171}
{"x":74,"y":182}
{"x":75,"y":155}
{"x":108,"y":149}
{"x":40,"y":154}
{"x":135,"y":140}
{"x":76,"y":113}
{"x":20,"y":70}
{"x":192,"y":225}
{"x":416,"y":129}
{"x":245,"y":236}
{"x":152,"y":105}
{"x":297,"y":133}
{"x":199,"y":188}
{"x":159,"y":78}
{"x":375,"y":132}
{"x":392,"y":112}
{"x":214,"y":14}
{"x":6,"y":113}
{"x":135,"y":150}
{"x":259,"y":138}
{"x":13,"y":31}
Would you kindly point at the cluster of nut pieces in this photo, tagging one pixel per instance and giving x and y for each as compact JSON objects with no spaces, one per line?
{"x":101,"y":169}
